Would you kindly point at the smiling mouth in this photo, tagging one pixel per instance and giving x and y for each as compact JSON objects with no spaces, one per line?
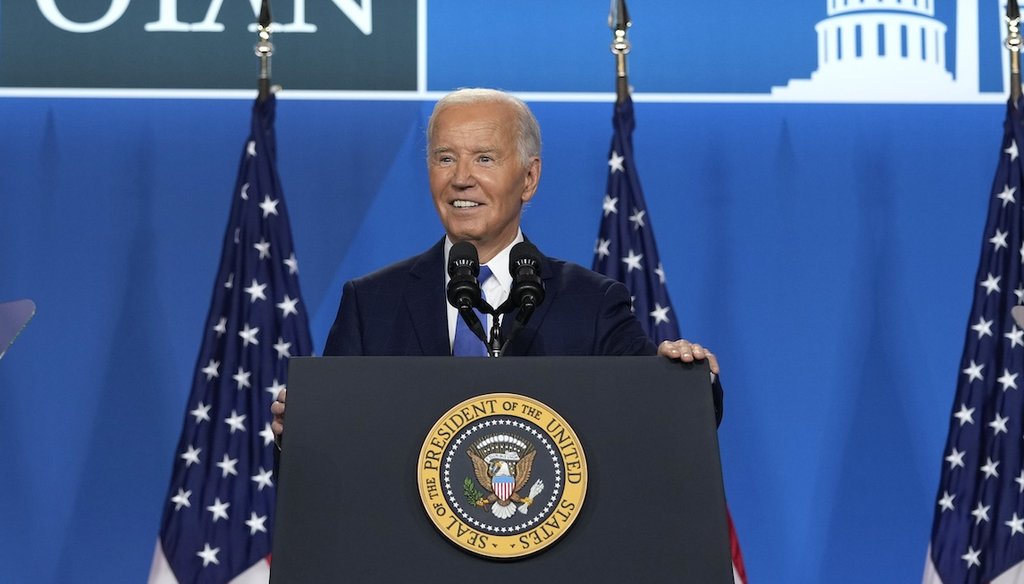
{"x":462,"y":204}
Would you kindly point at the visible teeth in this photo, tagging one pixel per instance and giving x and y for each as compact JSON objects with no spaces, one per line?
{"x":462,"y":204}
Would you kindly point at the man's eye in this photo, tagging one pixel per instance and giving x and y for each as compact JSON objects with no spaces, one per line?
{"x":444,"y":159}
{"x":486,"y":158}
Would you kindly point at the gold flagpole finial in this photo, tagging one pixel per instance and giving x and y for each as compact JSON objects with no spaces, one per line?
{"x":619,"y":22}
{"x":1014,"y":43}
{"x":264,"y":49}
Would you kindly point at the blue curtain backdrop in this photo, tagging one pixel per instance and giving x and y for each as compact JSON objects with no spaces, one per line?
{"x":826,"y":252}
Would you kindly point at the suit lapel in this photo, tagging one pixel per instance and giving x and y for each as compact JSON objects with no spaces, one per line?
{"x":425,"y":300}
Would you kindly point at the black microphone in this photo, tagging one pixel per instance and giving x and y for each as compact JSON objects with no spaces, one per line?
{"x":463,"y":269}
{"x":527,"y":287}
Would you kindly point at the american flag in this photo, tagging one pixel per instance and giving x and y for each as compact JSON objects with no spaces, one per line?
{"x":219,"y":511}
{"x":626,"y":251}
{"x":978,"y":529}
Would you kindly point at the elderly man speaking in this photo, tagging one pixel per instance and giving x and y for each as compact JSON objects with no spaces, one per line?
{"x":483,"y":159}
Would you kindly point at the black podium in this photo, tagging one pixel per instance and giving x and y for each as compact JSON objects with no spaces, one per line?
{"x":348,"y":508}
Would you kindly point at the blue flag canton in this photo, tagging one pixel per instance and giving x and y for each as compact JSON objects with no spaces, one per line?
{"x":625,"y":248}
{"x":219,"y":514}
{"x":978,"y":531}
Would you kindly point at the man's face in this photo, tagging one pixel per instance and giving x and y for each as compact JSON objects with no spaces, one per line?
{"x":477,"y":179}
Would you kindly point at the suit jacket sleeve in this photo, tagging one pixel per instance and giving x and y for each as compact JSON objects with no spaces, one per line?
{"x":345,"y":338}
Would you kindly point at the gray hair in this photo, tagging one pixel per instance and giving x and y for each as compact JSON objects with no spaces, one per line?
{"x":528,"y":136}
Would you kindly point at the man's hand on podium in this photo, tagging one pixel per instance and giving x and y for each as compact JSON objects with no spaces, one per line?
{"x":683,"y":350}
{"x":277,"y":408}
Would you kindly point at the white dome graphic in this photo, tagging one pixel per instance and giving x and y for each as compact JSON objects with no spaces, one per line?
{"x":880,"y":50}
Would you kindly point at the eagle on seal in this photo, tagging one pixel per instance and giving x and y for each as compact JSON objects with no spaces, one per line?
{"x":502,"y":465}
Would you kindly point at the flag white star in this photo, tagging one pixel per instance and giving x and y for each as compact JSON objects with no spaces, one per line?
{"x":275,"y":389}
{"x":965,"y":415}
{"x":1020,"y":481}
{"x":980,"y":513}
{"x":269,"y":206}
{"x":191,"y":456}
{"x":615,"y":162}
{"x":632,"y":261}
{"x":660,"y":314}
{"x":637,"y":218}
{"x":242,"y":378}
{"x":292,"y":263}
{"x":1019,"y":293}
{"x":245,"y":192}
{"x":602,"y":248}
{"x":971,"y":557}
{"x":999,"y":239}
{"x":610,"y":205}
{"x":211,"y":370}
{"x":946,"y":502}
{"x":956,"y":458}
{"x":263,"y":247}
{"x":999,"y":424}
{"x":209,"y":554}
{"x":202,"y":412}
{"x":236,"y":421}
{"x":255,"y":291}
{"x":1016,"y":525}
{"x":1007,"y":195}
{"x":262,"y":478}
{"x":661,"y":273}
{"x":267,"y":433}
{"x":984,"y":327}
{"x":991,"y":284}
{"x":231,"y":281}
{"x":256,"y":522}
{"x":1012,"y":150}
{"x":221,"y":326}
{"x":1008,"y":380}
{"x":282,"y":348}
{"x":248,"y":335}
{"x":974,"y":371}
{"x":227,"y":466}
{"x":250,"y":148}
{"x":287,"y":306}
{"x":181,"y":499}
{"x":1016,"y":337}
{"x":990,"y":468}
{"x":219,"y":510}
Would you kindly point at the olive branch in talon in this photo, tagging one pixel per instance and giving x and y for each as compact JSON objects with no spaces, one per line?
{"x":473,"y":494}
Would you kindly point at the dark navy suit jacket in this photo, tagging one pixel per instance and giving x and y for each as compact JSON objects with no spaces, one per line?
{"x":402,"y":310}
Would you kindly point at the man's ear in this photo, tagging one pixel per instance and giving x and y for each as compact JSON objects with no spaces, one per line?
{"x":532,"y":179}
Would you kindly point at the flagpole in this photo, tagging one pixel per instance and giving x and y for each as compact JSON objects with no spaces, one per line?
{"x":264,"y":50}
{"x":618,"y":21}
{"x":1013,"y":43}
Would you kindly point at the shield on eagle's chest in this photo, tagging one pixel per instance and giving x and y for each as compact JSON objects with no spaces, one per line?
{"x":503,"y":486}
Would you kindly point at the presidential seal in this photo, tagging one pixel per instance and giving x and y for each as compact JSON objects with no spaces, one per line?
{"x":502,"y":475}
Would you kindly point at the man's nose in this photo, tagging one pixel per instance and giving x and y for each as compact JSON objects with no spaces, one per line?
{"x":464,"y":173}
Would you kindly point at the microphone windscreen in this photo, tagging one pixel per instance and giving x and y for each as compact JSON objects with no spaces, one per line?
{"x":463,"y":255}
{"x":524,"y":252}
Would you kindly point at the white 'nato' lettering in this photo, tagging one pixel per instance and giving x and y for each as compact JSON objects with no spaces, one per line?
{"x":57,"y":18}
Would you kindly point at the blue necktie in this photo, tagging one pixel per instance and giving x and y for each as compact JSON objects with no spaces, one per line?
{"x":466,"y":343}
